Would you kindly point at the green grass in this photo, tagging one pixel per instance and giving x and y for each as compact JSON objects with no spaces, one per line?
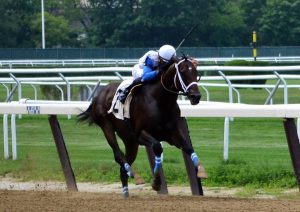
{"x":258,"y":154}
{"x":258,"y":151}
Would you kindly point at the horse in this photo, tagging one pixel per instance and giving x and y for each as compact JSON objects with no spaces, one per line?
{"x":154,"y":117}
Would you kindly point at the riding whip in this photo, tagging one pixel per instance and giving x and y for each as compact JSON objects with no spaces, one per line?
{"x":188,"y":34}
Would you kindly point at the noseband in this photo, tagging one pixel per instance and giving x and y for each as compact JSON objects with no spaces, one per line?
{"x":184,"y":87}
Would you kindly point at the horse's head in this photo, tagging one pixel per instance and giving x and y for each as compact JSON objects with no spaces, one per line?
{"x":184,"y":79}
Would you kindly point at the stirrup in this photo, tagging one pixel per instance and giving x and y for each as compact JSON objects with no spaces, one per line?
{"x":122,"y":98}
{"x":123,"y":95}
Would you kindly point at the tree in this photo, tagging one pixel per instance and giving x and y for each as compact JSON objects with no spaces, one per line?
{"x":253,"y":10}
{"x":21,"y":23}
{"x":279,"y":24}
{"x":111,"y":22}
{"x":58,"y":32}
{"x":131,"y":23}
{"x":226,"y":25}
{"x":151,"y":23}
{"x":15,"y":23}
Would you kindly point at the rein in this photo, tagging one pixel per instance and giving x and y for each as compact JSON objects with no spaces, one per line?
{"x":184,"y":87}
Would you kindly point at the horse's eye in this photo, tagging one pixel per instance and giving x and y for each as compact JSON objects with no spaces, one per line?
{"x":198,"y":78}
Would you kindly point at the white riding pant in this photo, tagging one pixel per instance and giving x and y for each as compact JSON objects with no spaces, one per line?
{"x":137,"y":71}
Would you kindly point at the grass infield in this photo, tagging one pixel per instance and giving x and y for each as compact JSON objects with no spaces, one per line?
{"x":258,"y":151}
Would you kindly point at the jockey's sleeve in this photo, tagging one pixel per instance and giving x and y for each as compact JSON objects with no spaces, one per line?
{"x":148,"y":74}
{"x":149,"y":63}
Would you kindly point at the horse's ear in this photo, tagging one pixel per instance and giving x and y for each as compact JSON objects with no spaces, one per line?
{"x":184,"y":56}
{"x":175,"y":59}
{"x":195,"y":62}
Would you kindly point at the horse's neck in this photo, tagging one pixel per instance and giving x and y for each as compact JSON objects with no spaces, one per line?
{"x":168,"y":80}
{"x":164,"y":96}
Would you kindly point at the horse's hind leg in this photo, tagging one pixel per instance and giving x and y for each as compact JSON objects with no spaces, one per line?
{"x":130,"y":154}
{"x":146,"y":139}
{"x":125,"y":169}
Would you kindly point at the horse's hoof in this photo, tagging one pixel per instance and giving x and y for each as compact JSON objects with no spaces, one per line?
{"x":125,"y":192}
{"x":156,"y":184}
{"x":125,"y":195}
{"x":156,"y":187}
{"x":201,"y":173}
{"x":138,"y":179}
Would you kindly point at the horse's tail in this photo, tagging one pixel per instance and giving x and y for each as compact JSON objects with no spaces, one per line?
{"x":86,"y":116}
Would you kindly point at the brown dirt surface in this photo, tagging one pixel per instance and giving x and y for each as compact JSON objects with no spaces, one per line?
{"x":53,"y":196}
{"x":12,"y":200}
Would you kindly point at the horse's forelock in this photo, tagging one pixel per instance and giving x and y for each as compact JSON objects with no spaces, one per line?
{"x":184,"y":58}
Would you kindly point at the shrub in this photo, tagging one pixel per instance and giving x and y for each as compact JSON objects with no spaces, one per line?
{"x":247,"y":63}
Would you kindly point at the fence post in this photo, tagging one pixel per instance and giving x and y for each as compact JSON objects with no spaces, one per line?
{"x":294,"y":146}
{"x":13,"y":137}
{"x":5,"y":136}
{"x":63,"y":153}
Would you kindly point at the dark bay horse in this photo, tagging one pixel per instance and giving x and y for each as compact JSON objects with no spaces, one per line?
{"x":154,"y":117}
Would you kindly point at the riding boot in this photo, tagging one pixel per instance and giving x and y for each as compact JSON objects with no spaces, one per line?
{"x":125,"y":93}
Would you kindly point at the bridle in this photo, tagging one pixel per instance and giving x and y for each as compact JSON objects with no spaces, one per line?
{"x":184,"y":87}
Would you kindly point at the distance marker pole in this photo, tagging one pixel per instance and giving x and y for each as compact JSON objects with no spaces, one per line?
{"x":254,"y":45}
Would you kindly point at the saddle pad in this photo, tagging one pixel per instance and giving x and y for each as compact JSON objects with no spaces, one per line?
{"x":120,"y":110}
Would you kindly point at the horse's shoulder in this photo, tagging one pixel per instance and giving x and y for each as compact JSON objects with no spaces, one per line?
{"x":113,"y":84}
{"x":106,"y":93}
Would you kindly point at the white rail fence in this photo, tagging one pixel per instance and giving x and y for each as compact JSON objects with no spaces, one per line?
{"x":204,"y":109}
{"x":286,"y":111}
{"x":61,"y":77}
{"x":280,"y":73}
{"x":130,"y":62}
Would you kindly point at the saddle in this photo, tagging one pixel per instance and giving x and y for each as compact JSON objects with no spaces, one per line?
{"x":120,"y":110}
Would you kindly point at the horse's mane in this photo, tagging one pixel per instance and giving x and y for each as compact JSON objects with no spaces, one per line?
{"x":177,"y":60}
{"x":172,"y":65}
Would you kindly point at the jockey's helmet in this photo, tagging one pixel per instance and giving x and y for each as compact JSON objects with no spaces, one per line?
{"x":166,"y":53}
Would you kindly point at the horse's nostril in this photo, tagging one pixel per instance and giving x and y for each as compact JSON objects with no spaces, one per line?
{"x":194,"y":98}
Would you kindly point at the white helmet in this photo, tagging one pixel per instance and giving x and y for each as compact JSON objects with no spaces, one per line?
{"x":166,"y":52}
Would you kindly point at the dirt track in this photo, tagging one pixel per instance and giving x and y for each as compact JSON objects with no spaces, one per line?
{"x":11,"y":200}
{"x":52,"y":196}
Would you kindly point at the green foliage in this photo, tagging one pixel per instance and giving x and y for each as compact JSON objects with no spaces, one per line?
{"x":246,"y":63}
{"x":110,"y":23}
{"x":15,"y":26}
{"x":145,"y":23}
{"x":260,"y":160}
{"x":57,"y":31}
{"x":21,"y":23}
{"x":279,"y":23}
{"x":238,"y":173}
{"x":228,"y":26}
{"x":253,"y":9}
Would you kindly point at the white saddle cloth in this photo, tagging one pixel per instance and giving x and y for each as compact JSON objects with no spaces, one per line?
{"x":120,"y":110}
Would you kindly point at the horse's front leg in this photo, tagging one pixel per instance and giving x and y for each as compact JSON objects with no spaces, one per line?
{"x":181,"y":139}
{"x":194,"y":157}
{"x":148,"y":140}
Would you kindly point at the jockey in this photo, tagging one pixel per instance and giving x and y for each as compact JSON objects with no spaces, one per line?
{"x":148,"y":67}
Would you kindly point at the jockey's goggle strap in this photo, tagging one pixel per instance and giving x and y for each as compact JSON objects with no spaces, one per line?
{"x":165,"y":60}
